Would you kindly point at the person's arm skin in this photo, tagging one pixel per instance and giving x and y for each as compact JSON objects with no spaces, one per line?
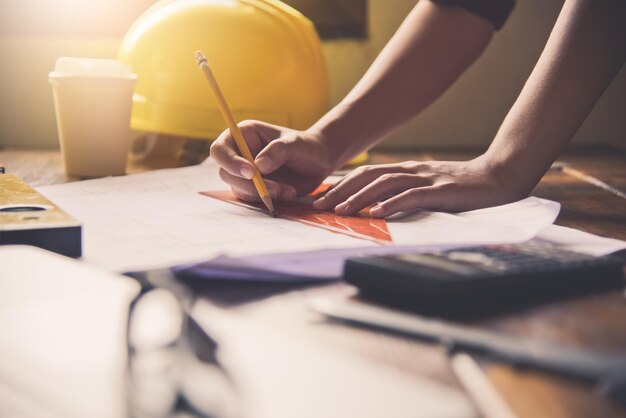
{"x":432,"y":47}
{"x":586,"y":49}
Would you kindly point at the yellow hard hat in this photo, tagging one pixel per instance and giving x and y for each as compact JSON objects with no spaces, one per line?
{"x":265,"y":55}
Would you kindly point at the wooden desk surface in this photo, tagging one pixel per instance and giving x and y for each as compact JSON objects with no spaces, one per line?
{"x":592,"y":322}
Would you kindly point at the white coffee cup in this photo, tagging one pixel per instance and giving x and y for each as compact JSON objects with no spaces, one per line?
{"x":92,"y":100}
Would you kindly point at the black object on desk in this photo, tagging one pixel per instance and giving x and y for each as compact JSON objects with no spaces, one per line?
{"x":480,"y":279}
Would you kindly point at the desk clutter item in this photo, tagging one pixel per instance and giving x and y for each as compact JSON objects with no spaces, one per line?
{"x":27,"y":217}
{"x":94,"y":143}
{"x":605,"y":370}
{"x":477,"y":279}
{"x":63,"y":336}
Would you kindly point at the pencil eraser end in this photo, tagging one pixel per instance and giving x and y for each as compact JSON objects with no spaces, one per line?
{"x":200,"y":57}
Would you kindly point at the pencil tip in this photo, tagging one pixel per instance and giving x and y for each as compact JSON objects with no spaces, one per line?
{"x":270,"y":206}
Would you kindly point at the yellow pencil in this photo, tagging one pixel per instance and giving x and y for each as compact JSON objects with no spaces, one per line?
{"x":234,"y":130}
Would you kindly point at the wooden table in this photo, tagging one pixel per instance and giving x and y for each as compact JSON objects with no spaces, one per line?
{"x":595,"y":322}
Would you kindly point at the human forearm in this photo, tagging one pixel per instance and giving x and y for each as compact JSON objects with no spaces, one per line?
{"x":434,"y":45}
{"x":584,"y":52}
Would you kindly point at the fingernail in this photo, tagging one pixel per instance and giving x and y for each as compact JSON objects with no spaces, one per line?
{"x":263,"y":164}
{"x":376,"y":211}
{"x":320,"y":203}
{"x":343,"y":207}
{"x":247,"y":172}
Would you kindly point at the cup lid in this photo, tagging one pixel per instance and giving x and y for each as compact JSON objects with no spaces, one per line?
{"x":91,"y":67}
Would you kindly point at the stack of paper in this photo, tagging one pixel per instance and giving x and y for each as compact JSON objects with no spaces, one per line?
{"x":161,"y":219}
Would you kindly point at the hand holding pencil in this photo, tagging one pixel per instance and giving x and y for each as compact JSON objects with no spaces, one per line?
{"x":235,"y":131}
{"x":293,"y":162}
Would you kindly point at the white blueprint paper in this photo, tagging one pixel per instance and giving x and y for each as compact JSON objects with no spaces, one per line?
{"x":158,"y":219}
{"x":510,"y":223}
{"x":580,"y":241}
{"x":419,"y":232}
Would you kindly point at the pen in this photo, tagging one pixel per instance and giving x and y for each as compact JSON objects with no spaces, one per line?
{"x":242,"y":145}
{"x":586,"y":366}
{"x":484,"y":395}
{"x":564,"y":168}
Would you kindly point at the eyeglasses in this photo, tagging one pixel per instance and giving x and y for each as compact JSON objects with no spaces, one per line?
{"x":172,"y":366}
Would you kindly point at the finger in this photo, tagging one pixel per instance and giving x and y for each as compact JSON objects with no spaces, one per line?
{"x":245,"y":189}
{"x":351,"y":184}
{"x":278,"y":152}
{"x":258,"y":134}
{"x":427,"y":198}
{"x":287,"y":191}
{"x":386,"y":185}
{"x":224,"y":152}
{"x":265,"y":132}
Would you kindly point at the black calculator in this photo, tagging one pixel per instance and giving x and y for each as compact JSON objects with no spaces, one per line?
{"x":481,"y":279}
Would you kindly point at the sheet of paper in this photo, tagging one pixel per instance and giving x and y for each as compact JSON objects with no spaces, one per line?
{"x":428,"y":231}
{"x":510,"y":223}
{"x":160,"y":219}
{"x":326,"y":264}
{"x":580,"y":241}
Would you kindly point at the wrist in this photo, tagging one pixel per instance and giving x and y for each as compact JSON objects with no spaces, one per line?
{"x":345,"y":131}
{"x":320,"y":151}
{"x":332,"y":150}
{"x":507,"y":174}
